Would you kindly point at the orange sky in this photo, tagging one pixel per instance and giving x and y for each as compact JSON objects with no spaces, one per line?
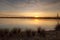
{"x":29,"y":7}
{"x":29,"y":14}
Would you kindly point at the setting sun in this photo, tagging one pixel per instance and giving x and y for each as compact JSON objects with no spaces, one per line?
{"x":36,"y":16}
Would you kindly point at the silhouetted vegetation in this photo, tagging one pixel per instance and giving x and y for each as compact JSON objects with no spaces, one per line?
{"x":17,"y":34}
{"x":58,"y":27}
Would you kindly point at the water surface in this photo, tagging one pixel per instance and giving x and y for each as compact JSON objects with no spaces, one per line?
{"x":33,"y":24}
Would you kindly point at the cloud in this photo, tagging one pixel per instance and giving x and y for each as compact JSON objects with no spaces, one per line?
{"x":41,"y":2}
{"x":28,"y":4}
{"x":50,"y":2}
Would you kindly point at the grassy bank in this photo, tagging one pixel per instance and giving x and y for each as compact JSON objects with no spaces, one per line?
{"x":17,"y":34}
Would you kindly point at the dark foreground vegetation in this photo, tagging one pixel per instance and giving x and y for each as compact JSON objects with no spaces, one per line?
{"x":17,"y":34}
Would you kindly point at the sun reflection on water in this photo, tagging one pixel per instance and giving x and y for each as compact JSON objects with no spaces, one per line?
{"x":36,"y":20}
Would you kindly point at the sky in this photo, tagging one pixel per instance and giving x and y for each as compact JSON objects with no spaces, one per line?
{"x":28,"y":8}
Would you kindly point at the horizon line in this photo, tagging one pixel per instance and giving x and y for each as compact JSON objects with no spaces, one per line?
{"x":33,"y":17}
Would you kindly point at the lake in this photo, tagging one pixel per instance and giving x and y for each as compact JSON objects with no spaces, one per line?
{"x":33,"y":24}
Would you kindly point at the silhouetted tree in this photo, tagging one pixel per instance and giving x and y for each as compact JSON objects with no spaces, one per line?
{"x":57,"y":27}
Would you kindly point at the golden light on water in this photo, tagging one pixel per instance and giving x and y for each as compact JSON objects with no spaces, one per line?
{"x":36,"y":20}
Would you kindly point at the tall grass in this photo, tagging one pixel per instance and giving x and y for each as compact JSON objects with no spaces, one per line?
{"x":17,"y":34}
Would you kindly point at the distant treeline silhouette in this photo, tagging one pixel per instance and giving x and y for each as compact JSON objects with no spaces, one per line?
{"x":33,"y":17}
{"x":17,"y":34}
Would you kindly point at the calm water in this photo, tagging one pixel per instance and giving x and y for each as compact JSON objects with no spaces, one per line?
{"x":32,"y":24}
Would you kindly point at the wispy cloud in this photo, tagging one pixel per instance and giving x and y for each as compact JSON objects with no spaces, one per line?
{"x":25,"y":5}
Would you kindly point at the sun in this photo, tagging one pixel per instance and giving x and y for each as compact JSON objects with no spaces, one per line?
{"x":36,"y":16}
